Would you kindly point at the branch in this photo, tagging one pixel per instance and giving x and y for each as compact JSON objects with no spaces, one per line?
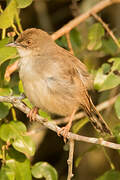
{"x":107,"y":29}
{"x":69,"y":43}
{"x":10,"y":69}
{"x":16,"y":101}
{"x":73,"y":23}
{"x":70,"y":159}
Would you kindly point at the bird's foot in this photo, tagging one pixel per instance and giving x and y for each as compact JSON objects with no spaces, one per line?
{"x":32,"y":113}
{"x":64,"y":131}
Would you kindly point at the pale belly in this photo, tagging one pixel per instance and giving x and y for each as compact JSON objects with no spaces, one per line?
{"x":46,"y":94}
{"x":40,"y":96}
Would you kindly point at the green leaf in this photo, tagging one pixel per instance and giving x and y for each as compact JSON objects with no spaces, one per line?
{"x":7,"y":17}
{"x":100,"y":78}
{"x":110,"y":175}
{"x":7,"y":173}
{"x":110,"y":82}
{"x":116,"y":132}
{"x":76,"y":40}
{"x":44,"y":114}
{"x":109,"y":46}
{"x":78,"y":125}
{"x":19,"y":164}
{"x":95,"y":34}
{"x":117,"y":106}
{"x":75,"y":37}
{"x":28,"y":103}
{"x":116,"y":63}
{"x":5,"y":91}
{"x":106,"y":68}
{"x":12,"y":130}
{"x":108,"y":77}
{"x":25,"y":145}
{"x":1,"y":145}
{"x":7,"y":53}
{"x":62,"y":42}
{"x":15,"y":132}
{"x":21,"y":87}
{"x":3,"y":42}
{"x":23,"y":3}
{"x":4,"y":109}
{"x":43,"y":169}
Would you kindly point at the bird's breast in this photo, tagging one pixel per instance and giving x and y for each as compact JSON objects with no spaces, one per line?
{"x":47,"y":91}
{"x":34,"y":84}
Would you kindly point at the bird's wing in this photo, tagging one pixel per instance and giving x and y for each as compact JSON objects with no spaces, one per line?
{"x":73,"y":66}
{"x":60,"y":65}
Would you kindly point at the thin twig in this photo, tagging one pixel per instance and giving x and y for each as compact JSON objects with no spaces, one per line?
{"x":10,"y":69}
{"x":18,"y":22}
{"x":15,"y":29}
{"x":70,"y":159}
{"x":73,"y":23}
{"x":3,"y":33}
{"x":69,"y":43}
{"x":107,"y":28}
{"x":16,"y":101}
{"x":108,"y":159}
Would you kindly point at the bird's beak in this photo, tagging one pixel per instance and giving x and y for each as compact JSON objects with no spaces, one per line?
{"x":13,"y":44}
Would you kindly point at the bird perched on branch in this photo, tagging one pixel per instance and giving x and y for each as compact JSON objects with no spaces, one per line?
{"x":54,"y":80}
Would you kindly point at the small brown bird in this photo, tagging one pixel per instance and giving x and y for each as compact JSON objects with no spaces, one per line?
{"x":54,"y":80}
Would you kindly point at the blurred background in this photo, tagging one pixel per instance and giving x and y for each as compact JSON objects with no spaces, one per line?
{"x":50,"y":15}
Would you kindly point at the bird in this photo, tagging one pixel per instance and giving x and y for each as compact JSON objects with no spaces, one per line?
{"x":54,"y":80}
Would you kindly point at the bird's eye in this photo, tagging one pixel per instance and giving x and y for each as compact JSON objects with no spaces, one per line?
{"x":28,"y":41}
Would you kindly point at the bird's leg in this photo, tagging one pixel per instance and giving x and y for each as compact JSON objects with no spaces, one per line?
{"x":32,"y":113}
{"x":64,"y":130}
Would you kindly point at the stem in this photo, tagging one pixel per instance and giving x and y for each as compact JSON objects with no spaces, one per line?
{"x":15,"y":29}
{"x":3,"y":33}
{"x":13,"y":114}
{"x":1,"y":11}
{"x":3,"y":153}
{"x":70,"y":159}
{"x":109,"y":160}
{"x":69,"y":43}
{"x":18,"y":22}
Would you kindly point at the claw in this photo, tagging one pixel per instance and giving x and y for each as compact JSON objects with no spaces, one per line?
{"x":64,"y":132}
{"x":32,"y":114}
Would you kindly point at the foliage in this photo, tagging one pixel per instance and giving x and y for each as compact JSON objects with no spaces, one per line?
{"x":110,"y":175}
{"x":43,"y":169}
{"x":15,"y":145}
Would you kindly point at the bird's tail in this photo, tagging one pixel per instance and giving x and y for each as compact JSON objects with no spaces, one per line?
{"x":96,"y":119}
